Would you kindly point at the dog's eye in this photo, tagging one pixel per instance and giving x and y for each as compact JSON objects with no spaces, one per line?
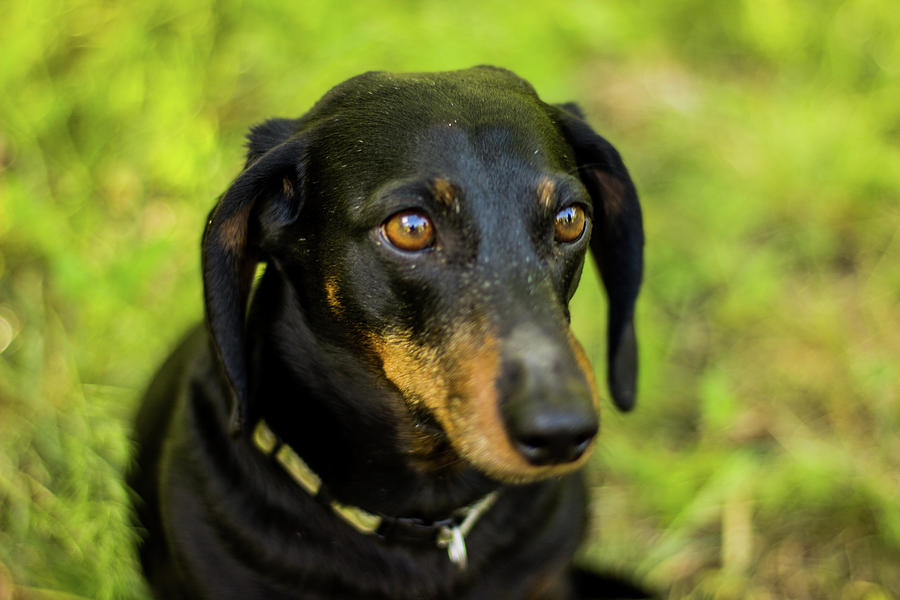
{"x":409,"y":231}
{"x":569,"y":223}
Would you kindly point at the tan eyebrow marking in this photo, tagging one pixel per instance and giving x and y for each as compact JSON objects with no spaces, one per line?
{"x":444,"y":191}
{"x":232,"y":233}
{"x":546,"y":192}
{"x":331,"y":296}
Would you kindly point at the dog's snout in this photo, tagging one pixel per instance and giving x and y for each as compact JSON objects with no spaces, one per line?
{"x":547,"y":406}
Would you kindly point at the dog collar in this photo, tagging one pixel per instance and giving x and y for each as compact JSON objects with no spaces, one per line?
{"x":449,"y":533}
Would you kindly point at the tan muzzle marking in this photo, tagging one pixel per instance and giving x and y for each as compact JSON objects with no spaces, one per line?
{"x":457,"y":384}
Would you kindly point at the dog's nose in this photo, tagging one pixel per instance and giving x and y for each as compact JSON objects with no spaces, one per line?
{"x":547,"y":405}
{"x":552,"y":436}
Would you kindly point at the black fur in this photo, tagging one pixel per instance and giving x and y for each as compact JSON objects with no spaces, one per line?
{"x":310,"y":350}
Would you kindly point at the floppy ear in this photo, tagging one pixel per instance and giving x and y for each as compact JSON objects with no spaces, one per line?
{"x":265,"y":198}
{"x":617,"y":244}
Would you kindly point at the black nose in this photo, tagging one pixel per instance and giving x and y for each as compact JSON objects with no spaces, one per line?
{"x":547,"y":437}
{"x":547,"y":403}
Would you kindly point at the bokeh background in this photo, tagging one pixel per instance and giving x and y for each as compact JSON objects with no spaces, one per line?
{"x":763,"y":460}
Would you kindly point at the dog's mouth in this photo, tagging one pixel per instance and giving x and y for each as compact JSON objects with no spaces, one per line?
{"x":457,"y":421}
{"x":428,"y":446}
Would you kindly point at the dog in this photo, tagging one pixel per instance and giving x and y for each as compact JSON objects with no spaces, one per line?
{"x":396,"y":407}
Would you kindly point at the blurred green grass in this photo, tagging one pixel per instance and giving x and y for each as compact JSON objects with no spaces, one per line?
{"x":763,"y":460}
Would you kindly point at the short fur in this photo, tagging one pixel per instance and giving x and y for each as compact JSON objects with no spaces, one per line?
{"x":412,"y":383}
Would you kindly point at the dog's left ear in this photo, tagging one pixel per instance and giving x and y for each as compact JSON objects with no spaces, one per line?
{"x":264,"y":199}
{"x":617,"y":243}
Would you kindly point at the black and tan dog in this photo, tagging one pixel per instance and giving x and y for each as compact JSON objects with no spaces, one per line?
{"x":402,"y":410}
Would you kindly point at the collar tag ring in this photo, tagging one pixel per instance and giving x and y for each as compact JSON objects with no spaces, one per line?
{"x":452,"y":539}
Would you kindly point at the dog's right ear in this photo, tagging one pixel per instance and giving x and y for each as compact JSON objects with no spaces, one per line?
{"x":264,"y":199}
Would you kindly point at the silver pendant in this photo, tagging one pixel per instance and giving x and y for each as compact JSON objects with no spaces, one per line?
{"x":452,"y":539}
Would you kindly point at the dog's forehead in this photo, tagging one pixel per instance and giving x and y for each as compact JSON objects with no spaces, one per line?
{"x":480,"y":90}
{"x":384,"y":118}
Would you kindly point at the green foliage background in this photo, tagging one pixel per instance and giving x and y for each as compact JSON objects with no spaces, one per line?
{"x":763,"y":460}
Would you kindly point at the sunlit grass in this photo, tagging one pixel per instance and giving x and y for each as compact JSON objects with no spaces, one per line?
{"x":763,"y":458}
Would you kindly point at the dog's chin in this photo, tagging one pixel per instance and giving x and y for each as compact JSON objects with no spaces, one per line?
{"x":509,"y":467}
{"x":478,"y":435}
{"x":434,"y":451}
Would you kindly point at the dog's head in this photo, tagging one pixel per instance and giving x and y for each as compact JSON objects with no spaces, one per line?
{"x":436,"y":225}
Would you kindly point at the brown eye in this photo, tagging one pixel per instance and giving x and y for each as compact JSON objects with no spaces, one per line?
{"x":569,"y":223}
{"x":409,"y":231}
